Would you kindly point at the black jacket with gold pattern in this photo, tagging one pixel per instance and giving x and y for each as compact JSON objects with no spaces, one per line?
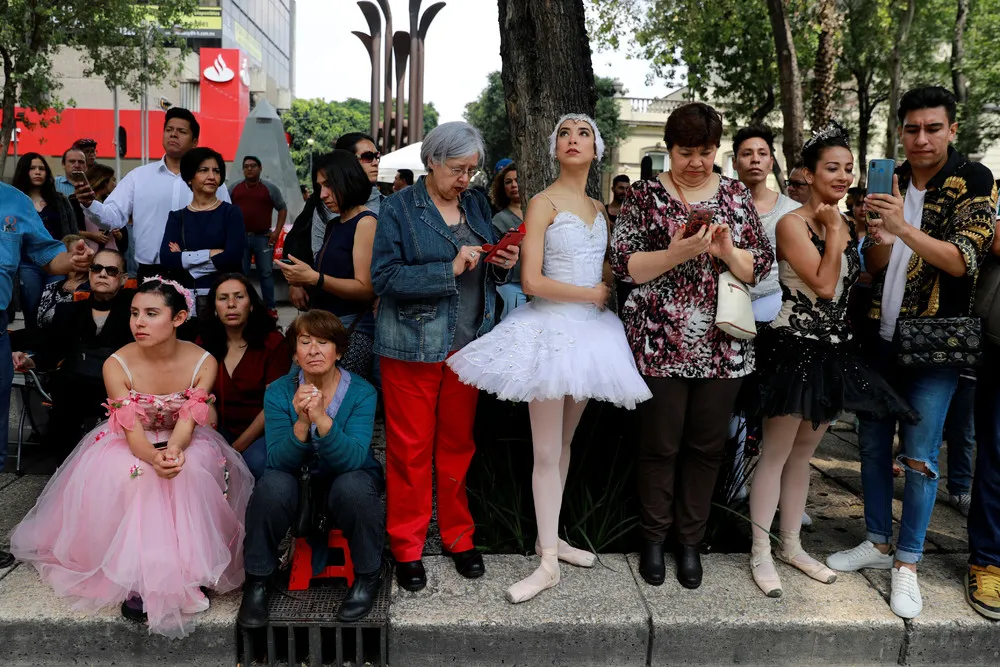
{"x":959,"y":208}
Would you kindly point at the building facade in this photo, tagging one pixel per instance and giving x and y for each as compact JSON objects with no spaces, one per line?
{"x":242,"y":51}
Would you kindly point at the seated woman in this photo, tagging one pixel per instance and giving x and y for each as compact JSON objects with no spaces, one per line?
{"x":321,"y":416}
{"x":60,"y":291}
{"x":82,"y":337}
{"x":149,"y":507}
{"x":237,"y":330}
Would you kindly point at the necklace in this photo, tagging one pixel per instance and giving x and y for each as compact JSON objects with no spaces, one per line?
{"x":239,"y":346}
{"x":204,"y":208}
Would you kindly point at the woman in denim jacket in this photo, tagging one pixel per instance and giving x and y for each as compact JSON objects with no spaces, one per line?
{"x":435,"y":297}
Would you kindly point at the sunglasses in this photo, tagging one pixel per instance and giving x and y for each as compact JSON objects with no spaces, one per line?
{"x":796,"y":184}
{"x":112,"y":271}
{"x":370,"y":156}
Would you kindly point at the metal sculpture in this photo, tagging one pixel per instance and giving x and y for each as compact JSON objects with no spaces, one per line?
{"x":373,"y":43}
{"x":401,"y":46}
{"x":401,"y":50}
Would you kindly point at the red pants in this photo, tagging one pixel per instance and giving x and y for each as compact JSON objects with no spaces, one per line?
{"x":429,"y":415}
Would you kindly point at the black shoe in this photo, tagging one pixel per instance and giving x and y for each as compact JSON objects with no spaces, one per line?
{"x":361,"y":598}
{"x":253,"y":608}
{"x":689,"y":566}
{"x":469,"y":563}
{"x":651,"y":566}
{"x":132,"y":610}
{"x":411,"y":576}
{"x":6,"y":559}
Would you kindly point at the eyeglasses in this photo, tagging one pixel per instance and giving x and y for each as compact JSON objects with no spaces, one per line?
{"x":471,"y":172}
{"x":370,"y":156}
{"x":112,"y":271}
{"x":796,"y":184}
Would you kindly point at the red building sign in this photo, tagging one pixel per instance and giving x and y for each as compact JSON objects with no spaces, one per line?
{"x":224,"y":90}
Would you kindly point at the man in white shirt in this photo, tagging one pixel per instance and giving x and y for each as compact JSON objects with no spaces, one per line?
{"x":924,"y":251}
{"x":149,"y":193}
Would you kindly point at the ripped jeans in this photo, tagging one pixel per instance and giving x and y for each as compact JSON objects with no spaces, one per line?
{"x":929,"y":392}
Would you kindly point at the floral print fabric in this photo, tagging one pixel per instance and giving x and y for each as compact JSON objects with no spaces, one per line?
{"x":670,"y":320}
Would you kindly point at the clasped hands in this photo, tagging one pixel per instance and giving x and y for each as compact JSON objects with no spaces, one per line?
{"x":308,"y":404}
{"x":168,"y":462}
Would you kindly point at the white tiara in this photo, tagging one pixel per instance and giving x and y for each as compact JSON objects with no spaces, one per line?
{"x":832,"y":130}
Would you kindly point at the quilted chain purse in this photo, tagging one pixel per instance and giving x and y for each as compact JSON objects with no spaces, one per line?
{"x":939,"y":342}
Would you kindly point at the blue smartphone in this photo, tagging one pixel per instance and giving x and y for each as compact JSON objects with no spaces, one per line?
{"x":880,"y":174}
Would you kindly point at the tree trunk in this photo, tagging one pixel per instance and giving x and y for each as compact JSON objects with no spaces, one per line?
{"x":546,"y":73}
{"x":767,"y":106}
{"x":824,"y":84}
{"x":791,"y":82}
{"x":959,"y":81}
{"x":7,"y":127}
{"x":864,"y":118}
{"x":895,"y":74}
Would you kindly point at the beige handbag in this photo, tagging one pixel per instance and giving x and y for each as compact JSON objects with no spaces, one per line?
{"x":733,"y":309}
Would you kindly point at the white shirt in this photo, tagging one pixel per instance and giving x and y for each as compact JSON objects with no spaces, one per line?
{"x":148,"y":194}
{"x":895,"y":274}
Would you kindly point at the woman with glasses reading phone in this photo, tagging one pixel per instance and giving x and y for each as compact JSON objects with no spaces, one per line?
{"x":436,"y":296}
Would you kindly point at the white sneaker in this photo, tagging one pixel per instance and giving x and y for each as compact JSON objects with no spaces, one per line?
{"x":865,"y":555}
{"x":961,"y":502}
{"x":806,"y":519}
{"x":905,"y":600}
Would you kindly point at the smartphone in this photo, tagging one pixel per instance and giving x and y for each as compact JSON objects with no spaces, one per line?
{"x":160,"y":445}
{"x":697,"y":219}
{"x":79,"y":177}
{"x":286,"y":261}
{"x":880,"y":174}
{"x":511,"y":238}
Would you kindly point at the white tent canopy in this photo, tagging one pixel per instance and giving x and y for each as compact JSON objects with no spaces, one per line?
{"x":407,"y":157}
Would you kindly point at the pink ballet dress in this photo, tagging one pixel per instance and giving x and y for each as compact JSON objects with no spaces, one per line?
{"x":107,"y":527}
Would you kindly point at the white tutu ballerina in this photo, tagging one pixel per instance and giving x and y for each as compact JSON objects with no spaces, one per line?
{"x":562,"y":348}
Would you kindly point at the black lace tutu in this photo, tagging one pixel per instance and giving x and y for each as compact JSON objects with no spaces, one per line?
{"x":817,"y":381}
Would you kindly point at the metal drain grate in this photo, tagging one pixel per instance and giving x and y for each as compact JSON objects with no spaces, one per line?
{"x":303,"y":628}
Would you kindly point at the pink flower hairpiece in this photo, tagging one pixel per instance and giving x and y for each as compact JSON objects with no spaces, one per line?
{"x":185,"y":292}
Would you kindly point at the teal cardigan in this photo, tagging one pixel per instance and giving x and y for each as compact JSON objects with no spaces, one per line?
{"x":348,"y":445}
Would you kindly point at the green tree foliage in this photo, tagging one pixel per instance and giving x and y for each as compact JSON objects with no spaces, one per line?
{"x":324,"y":122}
{"x":488,"y":113}
{"x":119,"y":41}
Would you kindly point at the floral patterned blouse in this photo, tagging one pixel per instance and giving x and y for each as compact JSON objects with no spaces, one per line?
{"x":670,"y":320}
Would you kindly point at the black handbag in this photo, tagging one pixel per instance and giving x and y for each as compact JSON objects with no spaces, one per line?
{"x":939,"y":342}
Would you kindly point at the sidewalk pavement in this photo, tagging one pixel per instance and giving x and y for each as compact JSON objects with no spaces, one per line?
{"x":605,"y":616}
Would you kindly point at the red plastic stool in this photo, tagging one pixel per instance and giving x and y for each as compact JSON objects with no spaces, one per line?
{"x":302,"y":563}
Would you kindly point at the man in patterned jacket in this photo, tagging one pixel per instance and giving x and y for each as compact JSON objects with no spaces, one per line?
{"x":924,"y":251}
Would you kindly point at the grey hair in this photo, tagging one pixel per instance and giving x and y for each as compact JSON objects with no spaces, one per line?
{"x":598,"y":141}
{"x":451,"y":140}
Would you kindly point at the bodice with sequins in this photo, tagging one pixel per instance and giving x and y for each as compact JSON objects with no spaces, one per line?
{"x":804,"y":313}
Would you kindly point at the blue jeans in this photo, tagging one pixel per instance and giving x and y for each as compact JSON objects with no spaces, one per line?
{"x":354,"y":504}
{"x":984,"y":514}
{"x":255,"y":456}
{"x":33,"y":280}
{"x":513,"y":296}
{"x":258,"y":246}
{"x":131,"y":265}
{"x":6,"y":380}
{"x":929,"y":392}
{"x":960,"y":434}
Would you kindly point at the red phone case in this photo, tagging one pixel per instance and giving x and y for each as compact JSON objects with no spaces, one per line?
{"x":511,"y":238}
{"x":697,"y":218}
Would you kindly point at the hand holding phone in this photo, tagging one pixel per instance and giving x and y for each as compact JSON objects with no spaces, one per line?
{"x":512,"y":238}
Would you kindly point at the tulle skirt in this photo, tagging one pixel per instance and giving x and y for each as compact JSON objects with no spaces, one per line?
{"x":816,"y":380}
{"x":106,"y":527}
{"x":545,"y":350}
